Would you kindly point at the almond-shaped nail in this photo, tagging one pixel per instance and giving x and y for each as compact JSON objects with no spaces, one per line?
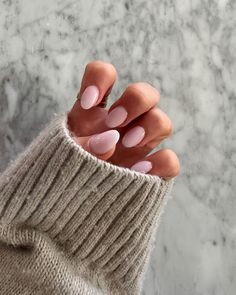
{"x":89,"y":97}
{"x":104,"y":142}
{"x":142,"y":166}
{"x":116,"y":117}
{"x":133,"y":137}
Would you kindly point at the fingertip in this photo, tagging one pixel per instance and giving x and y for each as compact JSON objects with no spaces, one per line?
{"x":103,"y":143}
{"x":142,"y":167}
{"x":116,"y":117}
{"x":97,"y":74}
{"x":89,"y":97}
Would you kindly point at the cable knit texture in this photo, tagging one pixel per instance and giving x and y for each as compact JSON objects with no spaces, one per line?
{"x":73,"y":224}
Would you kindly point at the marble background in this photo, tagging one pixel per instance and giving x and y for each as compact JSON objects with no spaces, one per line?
{"x":187,"y":49}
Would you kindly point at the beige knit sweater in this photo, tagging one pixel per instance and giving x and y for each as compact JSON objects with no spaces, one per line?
{"x":73,"y":224}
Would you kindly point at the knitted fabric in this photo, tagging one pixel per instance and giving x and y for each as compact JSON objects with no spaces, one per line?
{"x":73,"y":224}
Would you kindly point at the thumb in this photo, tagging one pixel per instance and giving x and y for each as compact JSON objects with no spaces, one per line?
{"x":101,"y":145}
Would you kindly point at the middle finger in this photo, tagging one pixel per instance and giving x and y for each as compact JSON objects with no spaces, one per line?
{"x":137,"y":99}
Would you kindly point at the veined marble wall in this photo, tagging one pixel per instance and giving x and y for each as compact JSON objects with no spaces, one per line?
{"x":187,"y":49}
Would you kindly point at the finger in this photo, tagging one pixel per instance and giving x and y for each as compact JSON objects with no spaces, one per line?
{"x":84,"y":122}
{"x":100,"y":145}
{"x":97,"y":83}
{"x":137,"y":99}
{"x":163,"y":163}
{"x":148,"y":130}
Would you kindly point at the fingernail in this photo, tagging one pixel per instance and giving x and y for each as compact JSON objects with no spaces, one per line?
{"x":133,"y":136}
{"x":89,"y":97}
{"x":104,"y":142}
{"x":116,"y":117}
{"x":142,"y":166}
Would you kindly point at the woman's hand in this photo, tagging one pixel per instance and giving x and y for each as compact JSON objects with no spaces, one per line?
{"x":126,"y":133}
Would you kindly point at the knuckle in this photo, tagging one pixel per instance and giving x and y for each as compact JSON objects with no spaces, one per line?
{"x":91,"y":65}
{"x":172,"y":163}
{"x":168,"y":129}
{"x":148,"y":86}
{"x":132,"y":87}
{"x":136,"y":92}
{"x":163,"y":122}
{"x":101,"y":67}
{"x":138,"y":86}
{"x":143,"y":92}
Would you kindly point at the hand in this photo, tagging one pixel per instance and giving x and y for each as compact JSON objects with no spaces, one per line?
{"x":126,"y":133}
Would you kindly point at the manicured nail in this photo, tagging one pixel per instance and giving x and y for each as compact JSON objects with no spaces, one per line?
{"x":89,"y":97}
{"x":116,"y":117}
{"x":133,"y":137}
{"x":104,"y":142}
{"x":142,"y":166}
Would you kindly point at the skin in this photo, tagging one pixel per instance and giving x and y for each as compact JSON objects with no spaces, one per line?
{"x":141,"y":102}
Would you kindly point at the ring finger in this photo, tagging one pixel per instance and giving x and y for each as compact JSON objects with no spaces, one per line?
{"x":141,"y":136}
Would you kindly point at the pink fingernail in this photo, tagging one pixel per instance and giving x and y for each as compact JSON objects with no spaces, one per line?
{"x":104,"y":142}
{"x":116,"y":117}
{"x":89,"y":97}
{"x":133,"y":136}
{"x":142,"y":166}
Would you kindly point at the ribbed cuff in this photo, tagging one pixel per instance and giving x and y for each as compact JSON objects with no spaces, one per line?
{"x":102,"y":215}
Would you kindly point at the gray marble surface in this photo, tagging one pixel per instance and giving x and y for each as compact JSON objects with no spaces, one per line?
{"x":187,"y":49}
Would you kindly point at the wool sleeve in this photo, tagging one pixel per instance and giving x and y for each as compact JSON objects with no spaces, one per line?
{"x":65,"y":215}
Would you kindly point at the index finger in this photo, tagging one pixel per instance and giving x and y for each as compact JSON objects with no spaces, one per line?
{"x":96,"y":84}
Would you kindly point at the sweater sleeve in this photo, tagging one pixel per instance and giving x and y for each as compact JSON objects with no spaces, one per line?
{"x":94,"y":217}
